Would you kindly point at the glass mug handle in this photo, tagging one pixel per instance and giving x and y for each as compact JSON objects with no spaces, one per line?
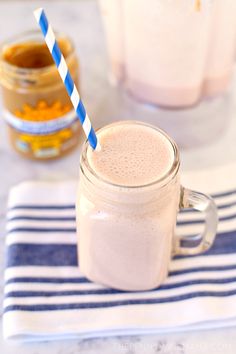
{"x":205,"y":204}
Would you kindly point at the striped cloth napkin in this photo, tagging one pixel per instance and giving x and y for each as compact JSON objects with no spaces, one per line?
{"x":46,"y":296}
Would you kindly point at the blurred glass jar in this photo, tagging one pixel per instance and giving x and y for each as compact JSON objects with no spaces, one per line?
{"x":41,"y":121}
{"x":171,"y":53}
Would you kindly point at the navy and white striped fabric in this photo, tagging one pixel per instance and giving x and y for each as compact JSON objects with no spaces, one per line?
{"x":46,"y":296}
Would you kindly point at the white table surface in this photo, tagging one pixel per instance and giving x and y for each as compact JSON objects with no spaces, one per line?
{"x":80,"y":19}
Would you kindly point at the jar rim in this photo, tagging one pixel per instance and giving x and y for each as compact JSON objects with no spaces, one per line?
{"x":91,"y":175}
{"x":20,"y":38}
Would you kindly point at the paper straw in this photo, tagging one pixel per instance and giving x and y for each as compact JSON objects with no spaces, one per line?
{"x":62,"y":67}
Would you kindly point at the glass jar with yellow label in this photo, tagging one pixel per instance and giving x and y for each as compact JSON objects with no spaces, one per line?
{"x":41,"y":121}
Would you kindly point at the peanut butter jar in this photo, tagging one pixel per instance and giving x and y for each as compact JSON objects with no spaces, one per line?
{"x":39,"y":115}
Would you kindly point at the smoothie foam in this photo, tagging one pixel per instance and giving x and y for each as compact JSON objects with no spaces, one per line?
{"x":132,"y":155}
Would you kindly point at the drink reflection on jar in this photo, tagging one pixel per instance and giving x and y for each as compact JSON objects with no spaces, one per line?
{"x":40,"y":117}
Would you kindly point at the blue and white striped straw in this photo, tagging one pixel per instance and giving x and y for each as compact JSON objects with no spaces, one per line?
{"x":62,"y":67}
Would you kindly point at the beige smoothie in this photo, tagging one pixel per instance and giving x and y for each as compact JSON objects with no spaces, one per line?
{"x":127,"y":205}
{"x":166,"y":52}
